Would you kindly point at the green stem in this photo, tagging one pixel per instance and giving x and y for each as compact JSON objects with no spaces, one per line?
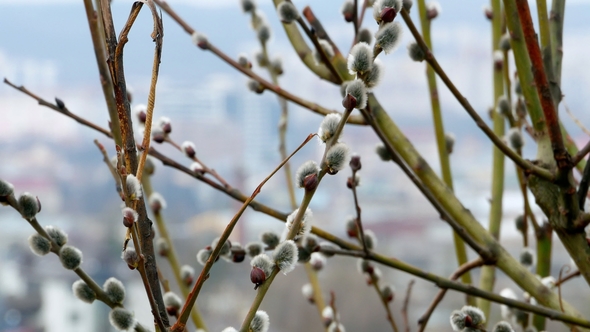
{"x":443,"y":153}
{"x":525,"y":279}
{"x":556,"y":33}
{"x":171,"y":256}
{"x":488,"y":273}
{"x":544,"y":245}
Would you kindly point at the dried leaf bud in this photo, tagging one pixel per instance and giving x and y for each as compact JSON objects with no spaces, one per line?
{"x":337,"y":157}
{"x":387,"y":292}
{"x":60,"y":104}
{"x":203,"y":255}
{"x":415,"y":52}
{"x":83,"y":292}
{"x":29,"y":205}
{"x":317,"y":261}
{"x":70,"y":257}
{"x":165,"y":124}
{"x":271,"y":239}
{"x":387,"y":15}
{"x":254,"y":249}
{"x":307,"y":291}
{"x":433,"y":9}
{"x":476,"y":316}
{"x":130,"y":257}
{"x":158,"y":135}
{"x":380,"y":5}
{"x":257,"y":276}
{"x":287,"y":12}
{"x":304,"y":226}
{"x":388,"y":36}
{"x":487,"y":11}
{"x":238,"y":254}
{"x":260,"y":322}
{"x":503,"y":327}
{"x":39,"y":245}
{"x":450,"y":142}
{"x":365,"y":36}
{"x":6,"y":189}
{"x":115,"y":290}
{"x":255,"y":86}
{"x":172,"y":302}
{"x":327,"y":315}
{"x":162,"y":247}
{"x":407,"y":4}
{"x":360,"y":59}
{"x":375,"y":74}
{"x":515,"y":138}
{"x":527,"y":257}
{"x":243,"y":61}
{"x":60,"y":237}
{"x":355,"y":163}
{"x":352,"y":228}
{"x":327,"y":49}
{"x":187,"y":274}
{"x":327,"y":130}
{"x":140,"y":111}
{"x":200,"y":40}
{"x":307,"y":169}
{"x":122,"y":319}
{"x":358,"y":90}
{"x":248,"y":5}
{"x":129,"y":216}
{"x":188,"y":148}
{"x":383,"y":152}
{"x":349,"y":102}
{"x":263,"y":33}
{"x":285,"y":256}
{"x":347,"y":10}
{"x":264,"y":263}
{"x":504,"y":43}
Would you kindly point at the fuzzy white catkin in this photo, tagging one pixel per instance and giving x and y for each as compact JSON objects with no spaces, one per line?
{"x":502,"y":327}
{"x":6,"y":188}
{"x":287,"y":12}
{"x":264,"y":263}
{"x":29,"y":206}
{"x":310,"y":167}
{"x":305,"y":225}
{"x":375,"y":74}
{"x":115,"y":290}
{"x":260,"y":322}
{"x":388,"y":36}
{"x":70,"y":257}
{"x":172,"y":300}
{"x":285,"y":256}
{"x":328,"y":126}
{"x":229,"y":329}
{"x":327,"y":48}
{"x":337,"y":157}
{"x":358,"y":90}
{"x":122,"y":319}
{"x":134,"y":191}
{"x":59,"y":236}
{"x":83,"y":292}
{"x":39,"y":245}
{"x":477,"y":316}
{"x":360,"y":59}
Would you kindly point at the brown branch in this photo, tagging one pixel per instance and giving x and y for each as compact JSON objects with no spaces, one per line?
{"x":357,"y":220}
{"x":498,"y":142}
{"x":423,"y":321}
{"x":266,"y":84}
{"x":407,"y":304}
{"x":560,"y":154}
{"x":567,"y":277}
{"x":581,"y":154}
{"x":192,"y":297}
{"x":115,"y":51}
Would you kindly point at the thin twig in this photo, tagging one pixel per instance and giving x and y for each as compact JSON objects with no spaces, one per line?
{"x":357,"y":220}
{"x":423,"y":321}
{"x":429,"y":57}
{"x":407,"y":305}
{"x":320,"y":50}
{"x":567,"y":277}
{"x":266,"y":84}
{"x":575,"y":119}
{"x":180,"y":324}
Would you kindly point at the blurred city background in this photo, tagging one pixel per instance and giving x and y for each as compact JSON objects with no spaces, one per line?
{"x":46,"y":46}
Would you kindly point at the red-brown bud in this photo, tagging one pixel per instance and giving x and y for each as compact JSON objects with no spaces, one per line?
{"x":257,"y":277}
{"x":349,"y":102}
{"x":355,"y":163}
{"x":310,"y":182}
{"x":388,"y":14}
